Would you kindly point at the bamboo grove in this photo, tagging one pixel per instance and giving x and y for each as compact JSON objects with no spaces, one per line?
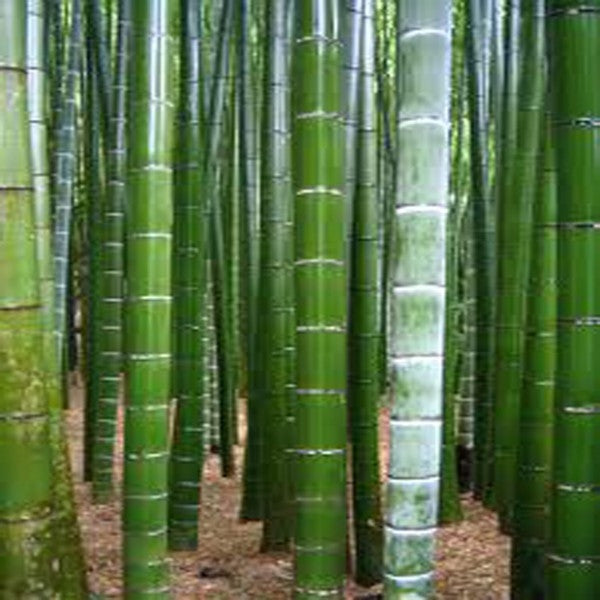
{"x":352,"y":242}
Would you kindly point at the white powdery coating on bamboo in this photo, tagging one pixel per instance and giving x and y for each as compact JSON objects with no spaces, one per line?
{"x":417,"y":311}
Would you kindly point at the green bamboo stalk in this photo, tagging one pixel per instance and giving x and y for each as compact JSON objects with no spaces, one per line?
{"x":252,"y":498}
{"x":64,"y":183}
{"x":148,"y":300}
{"x":574,"y":548}
{"x":26,"y":484}
{"x":290,"y":301}
{"x":484,"y":423}
{"x":56,"y":63}
{"x":111,"y":280}
{"x":352,"y":40}
{"x":274,"y":308}
{"x":363,"y":375}
{"x":481,"y":248}
{"x":514,"y":235}
{"x":248,"y":174}
{"x":190,"y":271}
{"x":321,"y":285}
{"x":94,"y":193}
{"x":459,"y":375}
{"x":466,"y":408}
{"x":450,"y":509}
{"x":454,"y":355}
{"x":387,"y":180}
{"x":466,"y":387}
{"x":417,"y":305}
{"x":222,"y":341}
{"x":221,"y":291}
{"x":505,"y":145}
{"x":534,"y":452}
{"x":97,"y":37}
{"x":206,"y":378}
{"x":213,"y":368}
{"x":230,"y":193}
{"x":507,"y":341}
{"x":485,"y":22}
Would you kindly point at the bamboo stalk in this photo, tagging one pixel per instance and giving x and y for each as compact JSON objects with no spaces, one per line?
{"x":363,"y":381}
{"x":111,"y":310}
{"x":25,"y":460}
{"x":187,"y":451}
{"x":514,"y":238}
{"x":321,"y":286}
{"x":574,"y":549}
{"x":418,"y":297}
{"x":274,"y":308}
{"x":534,"y":452}
{"x":64,"y":183}
{"x":148,"y":300}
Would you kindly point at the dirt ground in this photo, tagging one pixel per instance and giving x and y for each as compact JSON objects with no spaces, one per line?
{"x":472,"y":556}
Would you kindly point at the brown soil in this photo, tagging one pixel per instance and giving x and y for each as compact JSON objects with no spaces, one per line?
{"x":472,"y":556}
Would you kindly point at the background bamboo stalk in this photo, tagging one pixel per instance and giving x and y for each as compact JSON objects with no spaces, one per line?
{"x":363,"y":380}
{"x":112,"y":276}
{"x":189,"y":266}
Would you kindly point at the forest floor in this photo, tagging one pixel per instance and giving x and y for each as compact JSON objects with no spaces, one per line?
{"x":472,"y":561}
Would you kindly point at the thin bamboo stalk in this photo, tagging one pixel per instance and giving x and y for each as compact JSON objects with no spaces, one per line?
{"x":64,"y":181}
{"x":111,"y":280}
{"x":363,"y":374}
{"x":187,"y":458}
{"x":274,"y":308}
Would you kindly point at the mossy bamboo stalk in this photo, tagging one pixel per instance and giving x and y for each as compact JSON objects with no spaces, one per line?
{"x":321,"y":287}
{"x":418,"y":296}
{"x":148,"y":300}
{"x":37,"y":94}
{"x":66,"y":538}
{"x":25,"y":460}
